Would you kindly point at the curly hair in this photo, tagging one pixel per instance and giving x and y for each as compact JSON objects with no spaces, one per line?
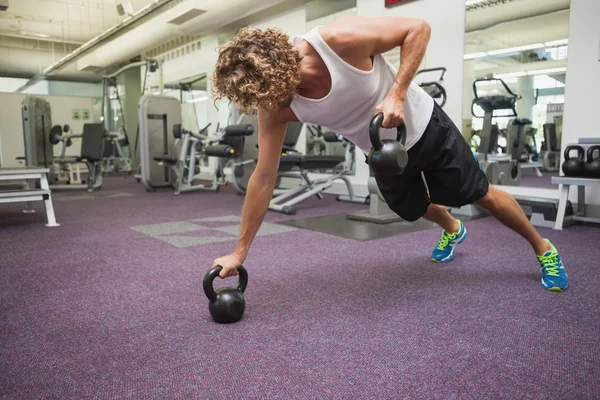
{"x":257,"y":69}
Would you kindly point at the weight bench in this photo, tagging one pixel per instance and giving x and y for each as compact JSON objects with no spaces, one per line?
{"x":92,"y":147}
{"x":299,"y":166}
{"x":565,"y":183}
{"x":28,"y":194}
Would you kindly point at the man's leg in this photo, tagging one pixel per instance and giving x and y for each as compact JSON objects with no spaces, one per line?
{"x":441,"y":216}
{"x":506,"y":210}
{"x":454,"y":177}
{"x":453,"y":234}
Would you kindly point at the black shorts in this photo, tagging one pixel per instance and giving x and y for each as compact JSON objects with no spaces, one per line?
{"x":453,"y":176}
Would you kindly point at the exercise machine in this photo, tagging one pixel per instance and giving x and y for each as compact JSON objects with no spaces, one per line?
{"x":550,"y":151}
{"x":434,"y":88}
{"x":67,"y":168}
{"x":227,"y":146}
{"x":500,"y":169}
{"x":156,"y":113}
{"x":114,"y":159}
{"x":243,"y":166}
{"x":170,"y":155}
{"x":117,"y":139}
{"x":378,"y":212}
{"x":92,"y":146}
{"x":295,"y":165}
{"x":347,"y":167}
{"x":40,"y":136}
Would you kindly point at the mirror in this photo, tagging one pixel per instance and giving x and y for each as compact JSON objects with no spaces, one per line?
{"x":514,"y":71}
{"x":191,"y":93}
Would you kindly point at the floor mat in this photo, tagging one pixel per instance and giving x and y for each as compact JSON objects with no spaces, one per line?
{"x":340,"y":225}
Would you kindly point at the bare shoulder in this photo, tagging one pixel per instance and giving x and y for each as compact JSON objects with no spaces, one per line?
{"x":350,"y":24}
{"x":347,"y":34}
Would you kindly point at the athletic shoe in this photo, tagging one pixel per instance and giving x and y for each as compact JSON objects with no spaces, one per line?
{"x":444,"y":251}
{"x":554,"y":276}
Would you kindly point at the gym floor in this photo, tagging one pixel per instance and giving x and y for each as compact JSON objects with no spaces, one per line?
{"x":110,"y":305}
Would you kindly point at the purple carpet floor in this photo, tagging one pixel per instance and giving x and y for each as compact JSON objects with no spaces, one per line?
{"x":530,"y":179}
{"x":95,"y":309}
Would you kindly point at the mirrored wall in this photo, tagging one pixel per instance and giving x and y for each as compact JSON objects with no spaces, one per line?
{"x":514,"y":69}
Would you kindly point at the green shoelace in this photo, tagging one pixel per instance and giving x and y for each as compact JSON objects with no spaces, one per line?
{"x":446,"y":237}
{"x":550,"y":264}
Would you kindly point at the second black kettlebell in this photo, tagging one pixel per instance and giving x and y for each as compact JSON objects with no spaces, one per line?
{"x":573,"y":166}
{"x":225,"y":305}
{"x":387,"y":156}
{"x":591,"y":168}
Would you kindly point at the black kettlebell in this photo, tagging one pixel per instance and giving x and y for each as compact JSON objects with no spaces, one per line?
{"x":226,"y":304}
{"x":591,"y":169}
{"x":573,"y":166}
{"x":387,"y":156}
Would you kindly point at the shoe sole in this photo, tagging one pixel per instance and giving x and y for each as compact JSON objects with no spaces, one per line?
{"x":450,"y":256}
{"x":554,"y":288}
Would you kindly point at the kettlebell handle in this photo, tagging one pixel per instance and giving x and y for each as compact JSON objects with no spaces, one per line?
{"x":580,"y":152}
{"x":374,"y":126}
{"x":590,"y":153}
{"x":207,"y":283}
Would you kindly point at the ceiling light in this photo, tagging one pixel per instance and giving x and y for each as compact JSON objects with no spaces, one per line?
{"x":515,"y":49}
{"x":473,"y":2}
{"x":510,"y":75}
{"x":474,"y":55}
{"x":547,"y":71}
{"x":40,"y":35}
{"x":557,"y":42}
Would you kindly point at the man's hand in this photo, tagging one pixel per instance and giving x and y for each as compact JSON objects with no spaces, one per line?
{"x":392,"y":108}
{"x":230,"y":264}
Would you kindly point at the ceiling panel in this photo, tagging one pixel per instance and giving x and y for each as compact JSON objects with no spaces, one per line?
{"x":74,"y":20}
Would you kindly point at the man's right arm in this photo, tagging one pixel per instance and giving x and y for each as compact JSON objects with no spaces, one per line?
{"x":271,"y":132}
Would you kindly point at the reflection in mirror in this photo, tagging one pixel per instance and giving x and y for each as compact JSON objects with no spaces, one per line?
{"x":191,"y":93}
{"x":515,"y":67}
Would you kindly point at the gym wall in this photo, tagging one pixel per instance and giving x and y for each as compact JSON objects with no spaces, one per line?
{"x":582,"y":102}
{"x":11,"y":123}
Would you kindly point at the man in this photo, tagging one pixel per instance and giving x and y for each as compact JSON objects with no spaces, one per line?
{"x":336,"y":76}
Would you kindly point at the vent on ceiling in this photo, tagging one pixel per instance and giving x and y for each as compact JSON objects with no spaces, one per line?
{"x":186,"y":16}
{"x":3,"y":5}
{"x":92,"y":68}
{"x":473,"y":5}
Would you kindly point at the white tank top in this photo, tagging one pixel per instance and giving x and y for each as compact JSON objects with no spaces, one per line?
{"x":350,"y":105}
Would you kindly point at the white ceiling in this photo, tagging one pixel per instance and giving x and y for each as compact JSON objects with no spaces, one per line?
{"x":62,"y":20}
{"x":76,"y":21}
{"x":540,"y":29}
